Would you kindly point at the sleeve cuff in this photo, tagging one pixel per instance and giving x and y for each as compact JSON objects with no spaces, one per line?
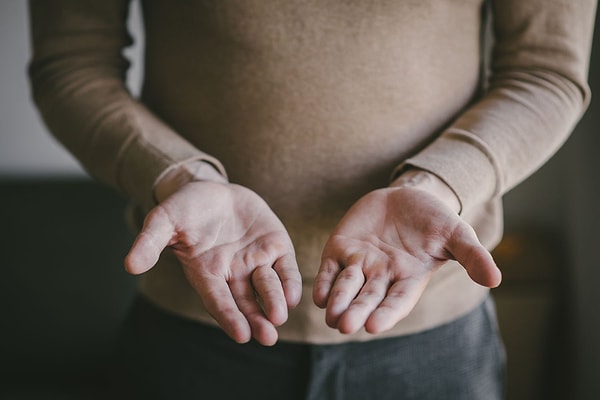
{"x":151,"y":154}
{"x":463,"y":162}
{"x":194,"y":170}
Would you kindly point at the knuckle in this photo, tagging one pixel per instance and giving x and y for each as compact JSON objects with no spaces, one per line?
{"x":360,"y":304}
{"x":369,"y":294}
{"x":352,"y":274}
{"x":272,"y":296}
{"x":379,"y":273}
{"x":224,"y":312}
{"x":329,"y":266}
{"x":339,"y":293}
{"x":246,"y":299}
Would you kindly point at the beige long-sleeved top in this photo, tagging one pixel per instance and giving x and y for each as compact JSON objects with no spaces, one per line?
{"x":312,"y":104}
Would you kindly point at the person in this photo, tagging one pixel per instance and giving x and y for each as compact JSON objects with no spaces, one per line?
{"x":317,"y":185}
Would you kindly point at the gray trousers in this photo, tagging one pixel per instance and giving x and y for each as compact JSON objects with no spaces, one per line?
{"x":166,"y":357}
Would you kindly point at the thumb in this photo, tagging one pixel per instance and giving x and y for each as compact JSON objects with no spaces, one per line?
{"x":155,"y":236}
{"x":475,"y":259}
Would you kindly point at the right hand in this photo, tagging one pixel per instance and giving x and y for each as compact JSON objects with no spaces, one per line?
{"x":235,"y":253}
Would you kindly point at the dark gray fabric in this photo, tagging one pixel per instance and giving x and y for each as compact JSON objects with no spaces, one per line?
{"x":166,"y":357}
{"x":463,"y":360}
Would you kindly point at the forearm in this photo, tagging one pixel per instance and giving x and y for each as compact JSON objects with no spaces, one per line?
{"x":538,"y":91}
{"x":77,"y":77}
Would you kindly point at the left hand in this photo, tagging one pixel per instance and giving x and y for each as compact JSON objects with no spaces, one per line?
{"x":383,"y":252}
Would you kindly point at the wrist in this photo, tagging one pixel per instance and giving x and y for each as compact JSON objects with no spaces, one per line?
{"x":424,"y":180}
{"x":175,"y":177}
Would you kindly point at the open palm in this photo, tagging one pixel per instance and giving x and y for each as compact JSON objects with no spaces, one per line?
{"x":235,"y":253}
{"x":382,"y":254}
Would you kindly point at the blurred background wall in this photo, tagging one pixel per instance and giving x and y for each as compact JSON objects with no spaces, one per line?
{"x":62,"y":296}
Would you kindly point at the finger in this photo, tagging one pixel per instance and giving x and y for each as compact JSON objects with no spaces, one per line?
{"x":476,"y":259}
{"x":397,"y":304}
{"x":291,"y":281}
{"x":156,"y":234}
{"x":219,"y":302}
{"x":324,"y":280}
{"x":369,"y":298}
{"x":268,"y":288}
{"x":261,"y":328}
{"x":344,"y":290}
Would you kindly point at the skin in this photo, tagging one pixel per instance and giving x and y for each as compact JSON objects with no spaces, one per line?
{"x":386,"y":248}
{"x":238,"y":256}
{"x":234,"y":251}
